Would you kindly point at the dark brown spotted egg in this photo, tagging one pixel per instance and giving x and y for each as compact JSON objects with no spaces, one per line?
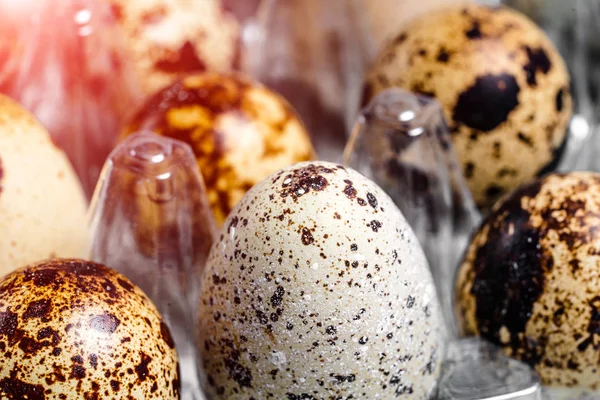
{"x":76,"y":329}
{"x":502,"y":84}
{"x":530,"y":280}
{"x":318,"y":289}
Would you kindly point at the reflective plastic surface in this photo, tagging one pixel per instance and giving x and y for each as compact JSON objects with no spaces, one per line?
{"x":151,"y":221}
{"x":476,"y":370}
{"x":401,"y":141}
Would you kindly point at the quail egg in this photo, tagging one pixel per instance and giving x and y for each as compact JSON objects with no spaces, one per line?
{"x":42,"y":204}
{"x":239,"y":130}
{"x":503,"y":86}
{"x":167,"y":38}
{"x":318,"y":289}
{"x":76,"y":329}
{"x":530,"y":279}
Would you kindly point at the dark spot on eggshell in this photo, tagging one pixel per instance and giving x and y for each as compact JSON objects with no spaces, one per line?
{"x":303,"y":180}
{"x":16,"y":389}
{"x":349,"y":190}
{"x":443,"y":56}
{"x":493,"y":191}
{"x":240,"y":374}
{"x":593,"y":327}
{"x":277,"y":298}
{"x":375,"y":225}
{"x":475,"y":31}
{"x":538,"y":61}
{"x":559,"y":101}
{"x":487,"y":104}
{"x":42,"y":276}
{"x":125,"y":285}
{"x":105,"y":323}
{"x":372,"y":200}
{"x":307,"y":237}
{"x":526,"y":140}
{"x":142,"y":368}
{"x":38,"y":309}
{"x":185,"y":60}
{"x":8,"y":324}
{"x":468,"y":171}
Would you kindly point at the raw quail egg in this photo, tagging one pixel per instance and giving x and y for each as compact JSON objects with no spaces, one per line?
{"x":240,"y":132}
{"x":76,"y":329}
{"x":167,"y":38}
{"x":503,"y":86}
{"x":530,"y":280}
{"x":42,"y":204}
{"x":318,"y":289}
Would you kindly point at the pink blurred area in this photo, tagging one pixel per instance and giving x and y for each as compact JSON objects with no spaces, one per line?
{"x":62,"y":60}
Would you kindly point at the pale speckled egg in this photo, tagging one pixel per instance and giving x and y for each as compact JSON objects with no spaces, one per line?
{"x":318,"y":289}
{"x":502,"y":84}
{"x":167,"y":38}
{"x":42,"y":204}
{"x":239,"y":130}
{"x":76,"y":329}
{"x":530,"y":280}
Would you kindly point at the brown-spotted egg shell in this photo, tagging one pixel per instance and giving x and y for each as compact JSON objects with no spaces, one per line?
{"x":239,"y":130}
{"x":530,"y":281}
{"x":503,"y":86}
{"x":318,"y":289}
{"x":72,"y":328}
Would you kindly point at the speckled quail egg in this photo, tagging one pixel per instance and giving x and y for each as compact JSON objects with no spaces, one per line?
{"x":239,"y":130}
{"x":503,"y":86}
{"x":530,"y":280}
{"x":318,"y":289}
{"x":167,"y":38}
{"x":76,"y":329}
{"x":42,"y":205}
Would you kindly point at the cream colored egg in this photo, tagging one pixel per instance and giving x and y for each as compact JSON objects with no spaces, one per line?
{"x":76,"y":329}
{"x":168,"y":38}
{"x":530,"y":280}
{"x":503,"y":86}
{"x":42,"y":205}
{"x":318,"y":289}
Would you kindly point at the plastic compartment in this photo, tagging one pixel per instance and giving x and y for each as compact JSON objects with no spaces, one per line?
{"x":401,"y":142}
{"x":476,"y":370}
{"x":151,"y":221}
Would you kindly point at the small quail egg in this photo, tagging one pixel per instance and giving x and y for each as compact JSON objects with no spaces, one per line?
{"x":318,"y":289}
{"x":502,"y":84}
{"x":76,"y":329}
{"x":530,"y":279}
{"x":239,"y":130}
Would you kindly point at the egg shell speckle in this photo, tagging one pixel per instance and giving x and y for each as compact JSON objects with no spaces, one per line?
{"x":76,"y":328}
{"x":239,"y":130}
{"x":502,"y":84}
{"x":169,"y":38}
{"x":530,"y":280}
{"x":42,"y":205}
{"x":318,"y":289}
